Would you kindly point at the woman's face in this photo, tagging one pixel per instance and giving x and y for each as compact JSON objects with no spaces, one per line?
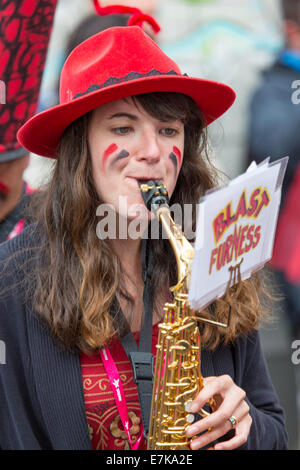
{"x":128,"y":145}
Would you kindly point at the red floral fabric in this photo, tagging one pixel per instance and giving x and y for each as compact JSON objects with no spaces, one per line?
{"x":25,"y":28}
{"x":105,"y":426}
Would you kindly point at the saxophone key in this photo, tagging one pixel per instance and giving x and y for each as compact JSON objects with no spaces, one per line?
{"x":182,"y":347}
{"x":190,"y":418}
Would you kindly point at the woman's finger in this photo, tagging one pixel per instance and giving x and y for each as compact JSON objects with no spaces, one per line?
{"x":232,"y":403}
{"x":240,"y":438}
{"x":217,"y":419}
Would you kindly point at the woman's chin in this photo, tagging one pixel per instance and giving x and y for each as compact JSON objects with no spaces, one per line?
{"x":140,"y":212}
{"x":133,"y":223}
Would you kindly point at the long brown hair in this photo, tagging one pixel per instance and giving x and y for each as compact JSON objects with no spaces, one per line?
{"x":78,"y":276}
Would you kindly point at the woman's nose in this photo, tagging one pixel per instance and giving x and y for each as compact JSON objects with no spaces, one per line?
{"x":149,"y":147}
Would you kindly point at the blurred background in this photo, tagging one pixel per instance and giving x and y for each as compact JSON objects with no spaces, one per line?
{"x":251,"y":45}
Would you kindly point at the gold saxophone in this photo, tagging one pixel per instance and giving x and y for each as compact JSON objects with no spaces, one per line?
{"x":177,"y":376}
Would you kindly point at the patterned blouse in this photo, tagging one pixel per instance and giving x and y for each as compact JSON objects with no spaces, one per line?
{"x":105,"y":426}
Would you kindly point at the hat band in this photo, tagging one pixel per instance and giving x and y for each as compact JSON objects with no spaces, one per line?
{"x":117,"y":80}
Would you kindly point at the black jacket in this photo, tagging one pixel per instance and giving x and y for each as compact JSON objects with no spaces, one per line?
{"x":41,"y":392}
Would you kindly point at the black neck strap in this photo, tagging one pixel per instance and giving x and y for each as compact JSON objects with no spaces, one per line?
{"x":141,"y":357}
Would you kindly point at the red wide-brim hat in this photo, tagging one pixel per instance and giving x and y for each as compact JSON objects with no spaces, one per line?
{"x":111,"y":65}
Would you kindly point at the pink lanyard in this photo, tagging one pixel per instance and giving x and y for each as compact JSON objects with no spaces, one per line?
{"x":17,"y":229}
{"x":21,"y":223}
{"x":119,"y":395}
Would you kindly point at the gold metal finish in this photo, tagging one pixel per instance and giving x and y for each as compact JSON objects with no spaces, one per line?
{"x":177,"y":377}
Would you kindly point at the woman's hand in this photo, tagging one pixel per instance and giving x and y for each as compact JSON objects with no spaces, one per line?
{"x":230,"y":401}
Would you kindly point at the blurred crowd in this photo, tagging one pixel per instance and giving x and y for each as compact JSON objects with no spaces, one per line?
{"x":253,"y":46}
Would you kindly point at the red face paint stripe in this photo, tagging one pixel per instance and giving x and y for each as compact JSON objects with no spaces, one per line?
{"x":178,"y":154}
{"x":111,"y":149}
{"x":3,"y":188}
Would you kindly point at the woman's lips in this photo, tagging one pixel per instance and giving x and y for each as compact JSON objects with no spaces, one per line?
{"x":142,"y":179}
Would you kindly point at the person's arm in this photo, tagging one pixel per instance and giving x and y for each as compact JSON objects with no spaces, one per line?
{"x":6,"y":303}
{"x":21,"y":419}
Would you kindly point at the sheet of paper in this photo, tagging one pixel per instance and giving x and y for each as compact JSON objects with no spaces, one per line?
{"x":236,"y":224}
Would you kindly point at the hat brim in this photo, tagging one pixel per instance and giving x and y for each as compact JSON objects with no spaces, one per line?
{"x":41,"y":133}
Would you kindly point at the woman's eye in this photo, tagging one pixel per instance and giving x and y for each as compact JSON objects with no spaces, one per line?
{"x":169,"y":131}
{"x":122,"y":130}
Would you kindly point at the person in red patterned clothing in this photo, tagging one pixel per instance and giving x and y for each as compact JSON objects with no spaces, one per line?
{"x":79,"y":311}
{"x":14,"y":193}
{"x":25,"y":29}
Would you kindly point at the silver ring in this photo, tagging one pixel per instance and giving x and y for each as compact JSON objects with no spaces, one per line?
{"x":233,"y":421}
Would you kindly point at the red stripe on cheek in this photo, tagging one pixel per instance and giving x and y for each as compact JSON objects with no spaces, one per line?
{"x":111,"y":149}
{"x":3,"y":188}
{"x":178,"y":155}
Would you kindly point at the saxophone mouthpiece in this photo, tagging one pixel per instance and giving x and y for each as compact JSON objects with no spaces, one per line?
{"x":154,"y":194}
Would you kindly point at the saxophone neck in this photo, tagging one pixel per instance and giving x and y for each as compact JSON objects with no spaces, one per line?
{"x":155,"y":197}
{"x":182,"y":248}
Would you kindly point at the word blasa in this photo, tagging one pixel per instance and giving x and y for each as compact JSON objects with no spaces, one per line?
{"x":251,"y":208}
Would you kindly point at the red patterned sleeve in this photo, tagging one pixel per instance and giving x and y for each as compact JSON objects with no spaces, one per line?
{"x":25,"y":28}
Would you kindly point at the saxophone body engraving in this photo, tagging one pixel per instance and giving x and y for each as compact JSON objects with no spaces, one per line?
{"x":177,"y":377}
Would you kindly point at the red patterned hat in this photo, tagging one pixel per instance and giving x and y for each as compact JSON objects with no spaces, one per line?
{"x":114,"y":64}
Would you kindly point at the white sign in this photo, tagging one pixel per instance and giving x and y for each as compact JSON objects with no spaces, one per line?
{"x":236,"y":224}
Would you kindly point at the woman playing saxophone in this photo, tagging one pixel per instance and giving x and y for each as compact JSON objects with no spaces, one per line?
{"x":127,"y":115}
